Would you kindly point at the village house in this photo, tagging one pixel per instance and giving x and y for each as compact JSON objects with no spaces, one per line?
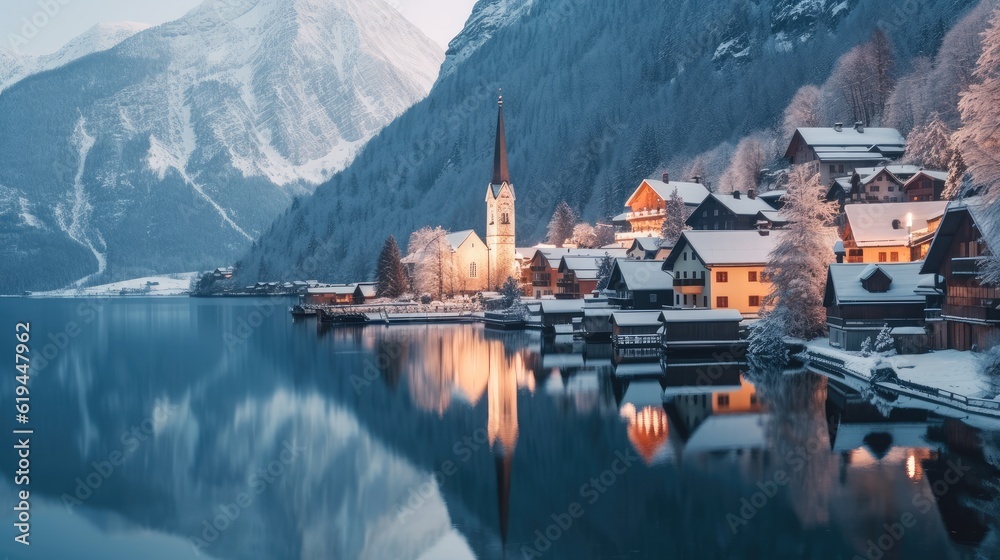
{"x":925,"y":185}
{"x":771,"y":219}
{"x":364,"y":292}
{"x":648,"y":249}
{"x":839,"y":151}
{"x":577,"y":276}
{"x":862,"y":298}
{"x":888,"y":233}
{"x":884,"y":183}
{"x":647,"y":207}
{"x":773,"y":198}
{"x":728,"y":211}
{"x":970,"y":314}
{"x":543,"y":275}
{"x":640,"y":285}
{"x":722,"y":269}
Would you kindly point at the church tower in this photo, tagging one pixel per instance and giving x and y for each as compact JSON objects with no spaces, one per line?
{"x":500,"y":212}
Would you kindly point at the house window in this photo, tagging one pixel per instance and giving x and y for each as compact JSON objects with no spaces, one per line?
{"x":722,"y":277}
{"x":677,"y":299}
{"x":833,"y":168}
{"x":704,"y":301}
{"x":722,"y":302}
{"x":684,"y":274}
{"x":702,"y":274}
{"x":894,"y":256}
{"x":754,"y":301}
{"x":472,"y":270}
{"x":873,"y":188}
{"x":685,"y":255}
{"x":752,"y":276}
{"x":723,"y":401}
{"x":882,"y":257}
{"x":652,"y":298}
{"x":716,"y":212}
{"x":892,"y":188}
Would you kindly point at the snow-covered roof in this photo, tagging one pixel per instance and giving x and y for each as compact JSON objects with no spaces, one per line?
{"x":728,"y":247}
{"x":773,"y":216}
{"x":579,"y":264}
{"x":897,"y":331}
{"x":554,"y":255}
{"x":368,"y":290}
{"x":772,"y":195}
{"x":693,"y":194}
{"x":871,"y":224}
{"x":929,"y":284}
{"x":988,"y":229}
{"x":635,"y":318}
{"x":936,"y":175}
{"x":729,"y":431}
{"x":642,"y":275}
{"x":744,"y":205}
{"x":700,"y":315}
{"x":562,"y":306}
{"x":844,"y":155}
{"x":456,"y":239}
{"x":849,"y":136}
{"x":846,"y":282}
{"x":646,"y":243}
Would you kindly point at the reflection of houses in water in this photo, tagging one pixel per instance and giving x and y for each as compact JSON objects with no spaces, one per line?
{"x":718,"y":411}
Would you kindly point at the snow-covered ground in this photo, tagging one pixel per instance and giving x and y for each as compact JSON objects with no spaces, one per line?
{"x":168,"y":285}
{"x":950,"y":370}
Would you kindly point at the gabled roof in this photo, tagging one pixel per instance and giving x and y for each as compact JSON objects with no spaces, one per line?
{"x":845,"y":283}
{"x":949,"y":226}
{"x":635,"y":318}
{"x":334,"y":290}
{"x":928,"y":173}
{"x":641,"y":275}
{"x":579,"y":264}
{"x":827,"y":139}
{"x":367,"y":290}
{"x":649,"y":244}
{"x":871,"y":224}
{"x":742,"y":206}
{"x":727,"y":247}
{"x":554,"y":255}
{"x":899,"y":173}
{"x":693,"y":194}
{"x":456,"y":239}
{"x":773,"y":216}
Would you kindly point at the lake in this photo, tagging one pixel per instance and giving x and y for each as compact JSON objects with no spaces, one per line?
{"x":193,"y":428}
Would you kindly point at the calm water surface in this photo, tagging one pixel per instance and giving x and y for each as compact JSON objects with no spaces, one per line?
{"x":183,"y":428}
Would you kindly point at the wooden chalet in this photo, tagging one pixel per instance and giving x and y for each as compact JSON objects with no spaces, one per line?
{"x":728,"y":211}
{"x":970,"y":311}
{"x":862,"y":298}
{"x":641,"y":285}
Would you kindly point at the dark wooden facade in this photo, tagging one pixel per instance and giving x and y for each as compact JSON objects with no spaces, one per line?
{"x":969,"y":315}
{"x":713,"y":214}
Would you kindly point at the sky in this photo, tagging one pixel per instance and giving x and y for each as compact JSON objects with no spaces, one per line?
{"x":440,"y":20}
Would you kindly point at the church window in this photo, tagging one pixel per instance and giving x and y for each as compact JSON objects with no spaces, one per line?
{"x":472,"y":270}
{"x":504,"y":218}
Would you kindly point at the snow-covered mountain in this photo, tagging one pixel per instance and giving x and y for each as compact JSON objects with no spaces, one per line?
{"x":101,"y":37}
{"x":175,"y":149}
{"x":598,"y":95}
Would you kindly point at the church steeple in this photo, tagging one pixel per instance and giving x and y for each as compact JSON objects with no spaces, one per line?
{"x":501,"y":173}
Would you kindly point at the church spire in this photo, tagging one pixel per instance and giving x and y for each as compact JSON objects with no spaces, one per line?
{"x":501,"y":174}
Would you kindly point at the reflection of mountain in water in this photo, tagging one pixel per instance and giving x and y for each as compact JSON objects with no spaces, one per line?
{"x":380,"y":410}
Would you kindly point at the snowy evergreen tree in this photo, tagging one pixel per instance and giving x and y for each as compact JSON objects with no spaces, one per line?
{"x":978,"y":139}
{"x":561,"y":225}
{"x":929,"y":145}
{"x":884,"y":343}
{"x":584,"y":236}
{"x":745,"y":168}
{"x":957,"y":175}
{"x":797,"y":268}
{"x":866,"y":347}
{"x":511,"y":292}
{"x":802,"y":111}
{"x":605,"y":266}
{"x":390,"y":273}
{"x":673,"y":222}
{"x":767,"y":350}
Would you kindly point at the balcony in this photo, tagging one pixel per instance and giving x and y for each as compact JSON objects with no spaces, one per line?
{"x":622,"y":298}
{"x":966,"y":266}
{"x":566,"y":283}
{"x":987,"y":314}
{"x":682,"y":282}
{"x":539,"y":268}
{"x":541,"y":280}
